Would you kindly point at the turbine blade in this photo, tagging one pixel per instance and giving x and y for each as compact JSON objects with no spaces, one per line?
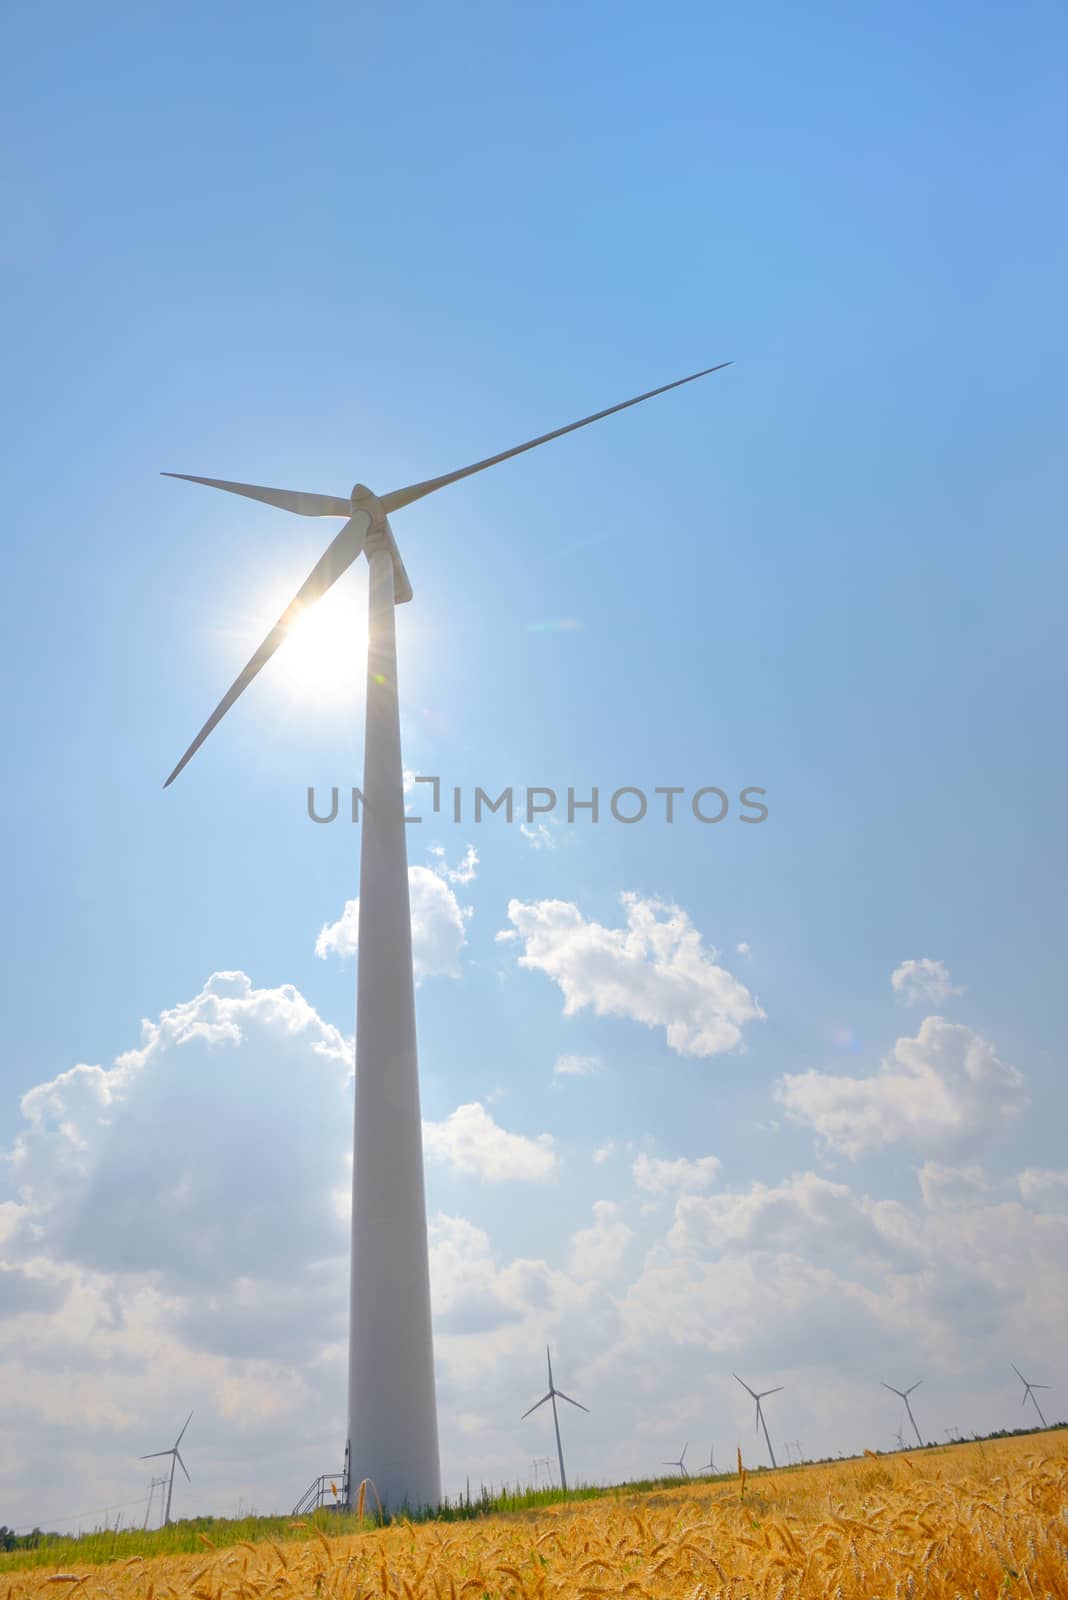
{"x":188,"y":1420}
{"x":916,"y":1385}
{"x":743,"y":1383}
{"x":571,"y":1402}
{"x":304,"y":505}
{"x":1038,"y":1386}
{"x":181,"y":1463}
{"x":1017,"y":1371}
{"x":541,"y":1402}
{"x":416,"y":491}
{"x":153,"y":1454}
{"x":765,"y":1392}
{"x":336,"y":559}
{"x":893,"y":1390}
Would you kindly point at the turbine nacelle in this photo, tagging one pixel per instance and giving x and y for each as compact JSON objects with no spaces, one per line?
{"x":380,"y":534}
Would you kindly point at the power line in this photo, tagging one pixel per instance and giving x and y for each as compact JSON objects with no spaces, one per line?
{"x":28,"y":1527}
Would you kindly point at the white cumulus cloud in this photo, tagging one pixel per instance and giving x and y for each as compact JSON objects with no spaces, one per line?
{"x":1045,"y":1185}
{"x":439,"y":923}
{"x":471,"y":1142}
{"x":944,"y":1188}
{"x":923,"y":982}
{"x":128,"y":1167}
{"x":597,"y":1251}
{"x":679,"y":1176}
{"x":653,"y":970}
{"x":464,"y":872}
{"x":947,"y":1083}
{"x":576,"y":1066}
{"x":172,"y":1227}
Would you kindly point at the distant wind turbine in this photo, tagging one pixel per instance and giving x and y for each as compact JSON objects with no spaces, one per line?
{"x":681,"y":1462}
{"x":760,"y":1412}
{"x":903,"y":1394}
{"x":552,"y":1394}
{"x":900,"y":1437}
{"x":1029,"y":1389}
{"x":710,"y":1464}
{"x":175,"y":1456}
{"x":392,"y":1409}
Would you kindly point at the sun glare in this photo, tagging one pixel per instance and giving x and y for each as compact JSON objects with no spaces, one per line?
{"x":323,"y":659}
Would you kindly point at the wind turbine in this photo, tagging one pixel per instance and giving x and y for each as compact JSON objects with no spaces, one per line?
{"x":175,"y":1456}
{"x":392,"y":1416}
{"x":903,"y":1394}
{"x":710,"y":1464}
{"x":552,"y":1394}
{"x":681,"y":1462}
{"x":900,"y":1437}
{"x":1029,"y":1389}
{"x":760,"y":1413}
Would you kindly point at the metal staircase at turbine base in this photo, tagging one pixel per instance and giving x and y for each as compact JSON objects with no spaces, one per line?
{"x":328,"y":1491}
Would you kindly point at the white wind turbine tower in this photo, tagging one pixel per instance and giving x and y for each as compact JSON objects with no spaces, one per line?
{"x":552,"y":1394}
{"x":760,"y":1411}
{"x":903,"y":1394}
{"x":392,"y":1416}
{"x":1029,"y":1389}
{"x":175,"y":1456}
{"x":681,"y":1462}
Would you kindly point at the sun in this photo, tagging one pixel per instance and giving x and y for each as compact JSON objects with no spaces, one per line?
{"x":323,"y":660}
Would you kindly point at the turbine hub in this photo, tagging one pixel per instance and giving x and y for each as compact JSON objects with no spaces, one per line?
{"x":380,"y":536}
{"x":362,"y":499}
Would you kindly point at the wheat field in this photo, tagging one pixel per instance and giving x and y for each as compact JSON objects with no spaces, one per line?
{"x":970,"y":1521}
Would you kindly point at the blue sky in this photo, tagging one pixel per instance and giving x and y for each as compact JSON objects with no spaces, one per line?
{"x":374,"y":244}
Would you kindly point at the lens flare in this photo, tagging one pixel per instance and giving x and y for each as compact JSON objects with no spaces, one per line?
{"x":562,"y":625}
